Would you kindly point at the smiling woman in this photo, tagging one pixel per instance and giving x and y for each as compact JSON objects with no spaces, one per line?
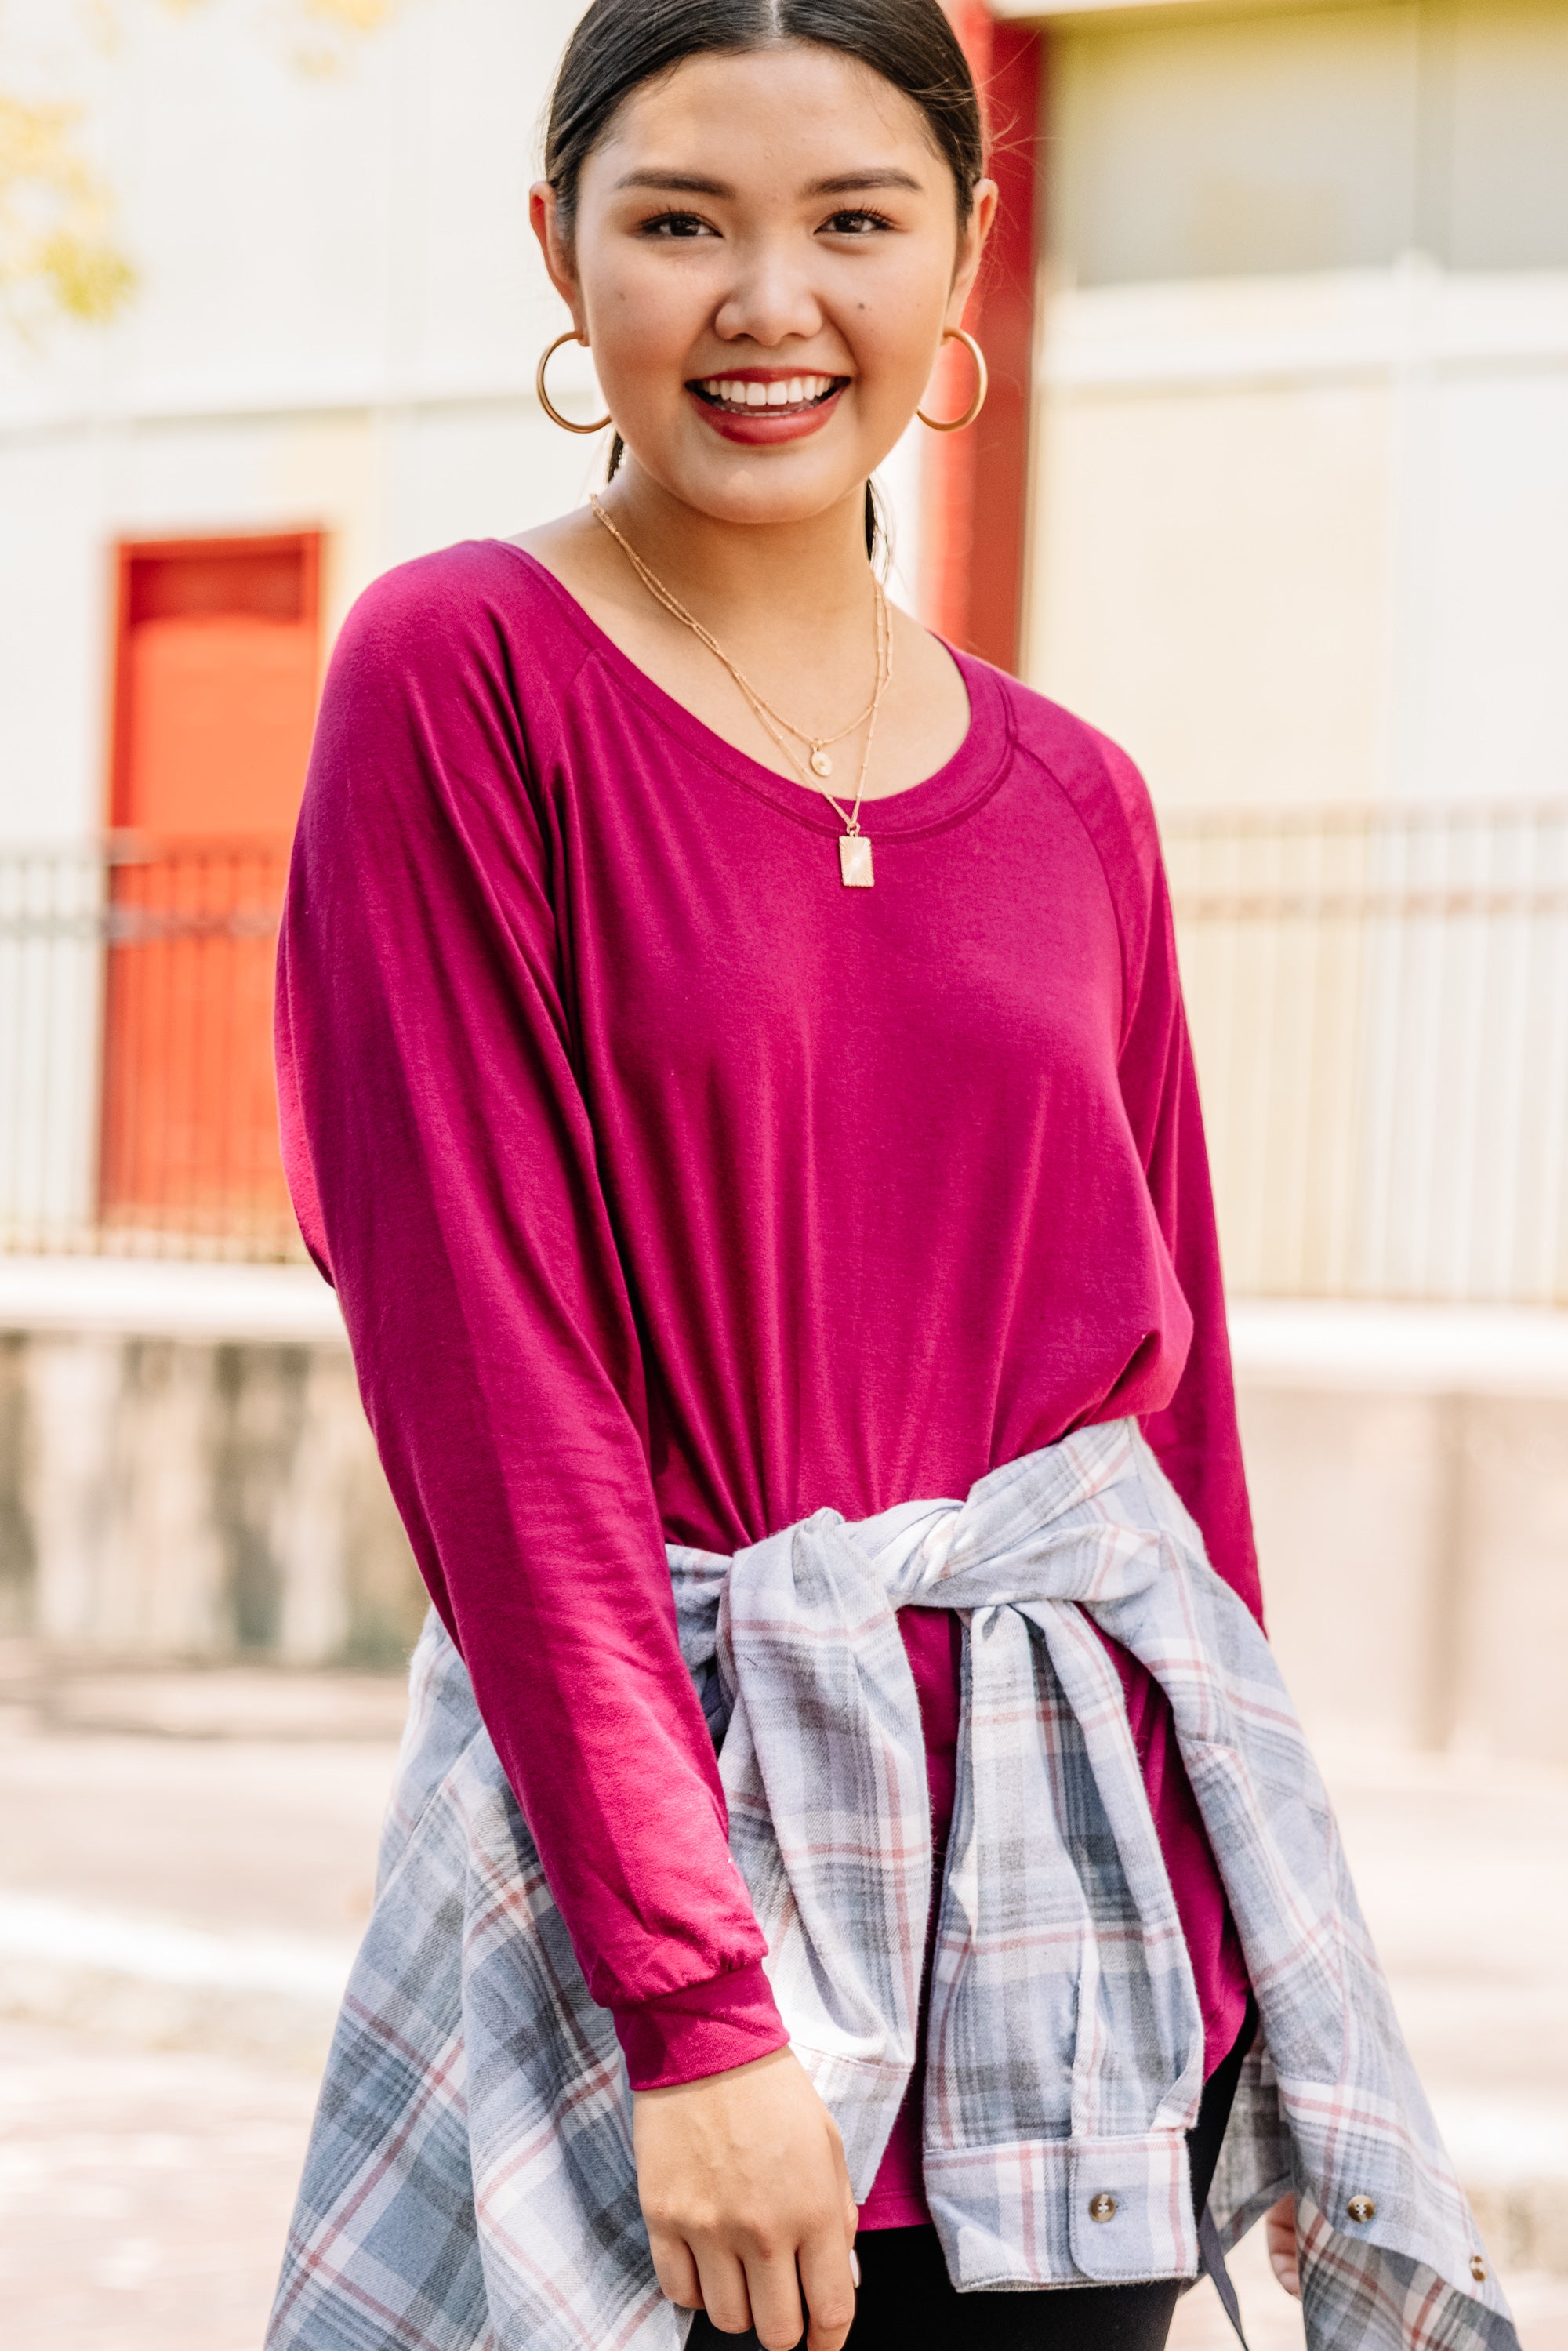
{"x":794,"y":1884}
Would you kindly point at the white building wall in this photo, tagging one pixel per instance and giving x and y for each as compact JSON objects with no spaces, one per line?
{"x":341,"y":311}
{"x":337,"y":279}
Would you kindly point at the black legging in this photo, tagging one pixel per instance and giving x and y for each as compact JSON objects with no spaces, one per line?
{"x":906,"y":2301}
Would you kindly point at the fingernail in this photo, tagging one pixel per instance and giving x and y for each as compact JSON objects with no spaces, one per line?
{"x":854,"y":2266}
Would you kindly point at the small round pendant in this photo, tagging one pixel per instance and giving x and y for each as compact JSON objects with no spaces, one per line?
{"x":821,"y":763}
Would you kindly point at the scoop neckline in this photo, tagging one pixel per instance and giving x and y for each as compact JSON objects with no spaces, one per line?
{"x":951,"y":791}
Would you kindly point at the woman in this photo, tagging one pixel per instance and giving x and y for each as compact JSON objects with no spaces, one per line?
{"x":734,"y":1070}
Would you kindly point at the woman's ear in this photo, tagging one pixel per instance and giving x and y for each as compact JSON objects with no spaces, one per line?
{"x":971,"y":248}
{"x":544,"y":219}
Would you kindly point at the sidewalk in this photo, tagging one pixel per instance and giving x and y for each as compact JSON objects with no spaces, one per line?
{"x":184,"y":1863}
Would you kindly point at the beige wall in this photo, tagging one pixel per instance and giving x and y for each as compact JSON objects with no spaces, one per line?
{"x":1300,"y":493}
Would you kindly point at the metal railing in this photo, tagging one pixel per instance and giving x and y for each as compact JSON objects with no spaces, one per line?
{"x":137,"y":1108}
{"x":1379,"y":1005}
{"x":1378,"y":998}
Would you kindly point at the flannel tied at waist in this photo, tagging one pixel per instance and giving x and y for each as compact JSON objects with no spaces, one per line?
{"x":470,"y":2173}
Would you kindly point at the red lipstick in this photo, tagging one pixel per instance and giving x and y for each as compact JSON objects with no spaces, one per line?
{"x":728,"y":400}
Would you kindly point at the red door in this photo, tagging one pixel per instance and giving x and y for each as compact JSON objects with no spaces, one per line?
{"x":216,"y":667}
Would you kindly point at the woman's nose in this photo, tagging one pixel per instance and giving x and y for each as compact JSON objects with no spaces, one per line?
{"x":770,"y":301}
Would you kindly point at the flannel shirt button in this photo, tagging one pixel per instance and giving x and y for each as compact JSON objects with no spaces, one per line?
{"x":1102,"y":2206}
{"x":1478,"y":2269}
{"x":1362,"y":2207}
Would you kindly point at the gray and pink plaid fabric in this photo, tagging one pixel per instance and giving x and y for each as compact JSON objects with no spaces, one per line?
{"x":469,"y":2181}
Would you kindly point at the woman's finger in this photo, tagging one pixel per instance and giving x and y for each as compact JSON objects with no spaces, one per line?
{"x":1280,"y":2229}
{"x":850,"y":2209}
{"x":774,"y":2293}
{"x":724,"y":2293}
{"x":828,"y":2282}
{"x":675,"y":2270}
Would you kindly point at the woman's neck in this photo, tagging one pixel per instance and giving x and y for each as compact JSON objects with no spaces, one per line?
{"x":791,"y":607}
{"x":805,"y":578}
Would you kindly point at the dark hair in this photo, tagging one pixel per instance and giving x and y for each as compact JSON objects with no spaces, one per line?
{"x":619,"y":45}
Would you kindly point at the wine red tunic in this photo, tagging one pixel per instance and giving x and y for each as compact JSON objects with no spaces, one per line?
{"x":672,"y":1190}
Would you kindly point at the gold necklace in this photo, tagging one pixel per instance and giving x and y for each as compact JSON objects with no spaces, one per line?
{"x":854,"y":849}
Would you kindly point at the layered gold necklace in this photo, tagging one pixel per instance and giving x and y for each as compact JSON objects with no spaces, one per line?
{"x":854,"y":849}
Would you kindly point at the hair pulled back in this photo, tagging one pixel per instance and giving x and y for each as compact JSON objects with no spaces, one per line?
{"x":619,"y":44}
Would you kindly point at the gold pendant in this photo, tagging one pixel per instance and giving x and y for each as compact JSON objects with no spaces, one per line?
{"x":854,"y":862}
{"x":821,"y":763}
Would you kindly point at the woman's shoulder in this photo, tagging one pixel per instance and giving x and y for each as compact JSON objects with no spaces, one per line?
{"x":449,"y":680}
{"x":480,"y":602}
{"x":1095,"y":775}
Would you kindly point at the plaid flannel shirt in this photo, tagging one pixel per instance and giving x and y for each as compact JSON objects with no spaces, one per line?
{"x":470,"y":2181}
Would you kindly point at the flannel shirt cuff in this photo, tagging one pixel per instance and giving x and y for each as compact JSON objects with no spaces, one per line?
{"x":704,"y":2028}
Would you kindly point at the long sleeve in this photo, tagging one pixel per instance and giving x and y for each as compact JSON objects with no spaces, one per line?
{"x":443,"y":1166}
{"x":1195,"y":1435}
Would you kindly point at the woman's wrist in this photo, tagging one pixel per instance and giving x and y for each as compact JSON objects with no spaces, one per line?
{"x":712,"y":2027}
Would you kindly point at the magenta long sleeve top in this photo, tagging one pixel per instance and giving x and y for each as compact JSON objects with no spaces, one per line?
{"x":672,"y":1190}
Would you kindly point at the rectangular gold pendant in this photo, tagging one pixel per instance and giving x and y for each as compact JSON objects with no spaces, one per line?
{"x":854,"y":862}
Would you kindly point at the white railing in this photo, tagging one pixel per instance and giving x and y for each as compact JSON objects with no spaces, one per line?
{"x":1379,"y":1005}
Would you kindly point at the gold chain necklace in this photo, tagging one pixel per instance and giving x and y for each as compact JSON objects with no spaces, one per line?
{"x":854,"y":849}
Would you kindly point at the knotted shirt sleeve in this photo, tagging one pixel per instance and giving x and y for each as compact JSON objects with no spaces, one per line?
{"x":442,"y":1166}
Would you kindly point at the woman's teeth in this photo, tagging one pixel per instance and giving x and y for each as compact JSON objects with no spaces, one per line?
{"x":784,"y":391}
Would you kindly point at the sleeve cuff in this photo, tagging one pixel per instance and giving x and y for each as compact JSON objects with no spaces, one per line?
{"x":704,"y":2028}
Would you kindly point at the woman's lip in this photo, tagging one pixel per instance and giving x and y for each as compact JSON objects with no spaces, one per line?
{"x":760,"y":426}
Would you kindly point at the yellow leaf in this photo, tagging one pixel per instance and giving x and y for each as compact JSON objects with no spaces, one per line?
{"x":91,"y":277}
{"x":54,"y":240}
{"x":353,"y":16}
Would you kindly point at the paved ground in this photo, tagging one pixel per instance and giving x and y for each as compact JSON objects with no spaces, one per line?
{"x":184,"y":1860}
{"x":143,"y":2193}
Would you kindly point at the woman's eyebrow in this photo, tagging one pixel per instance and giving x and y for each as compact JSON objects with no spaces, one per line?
{"x":849,"y":183}
{"x":682,"y":183}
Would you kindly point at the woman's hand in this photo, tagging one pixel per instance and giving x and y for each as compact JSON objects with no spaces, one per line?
{"x":747,"y":2202}
{"x":1279,"y":2226}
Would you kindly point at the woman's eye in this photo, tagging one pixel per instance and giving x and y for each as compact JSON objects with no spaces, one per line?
{"x":859,"y":222}
{"x":677,"y":224}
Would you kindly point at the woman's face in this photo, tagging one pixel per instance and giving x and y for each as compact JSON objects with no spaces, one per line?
{"x":765,"y":254}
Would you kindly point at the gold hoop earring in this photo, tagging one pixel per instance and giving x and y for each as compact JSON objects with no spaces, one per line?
{"x":982,"y":385}
{"x":546,"y":403}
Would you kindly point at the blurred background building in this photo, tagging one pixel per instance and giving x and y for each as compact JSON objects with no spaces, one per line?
{"x":1273,"y":485}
